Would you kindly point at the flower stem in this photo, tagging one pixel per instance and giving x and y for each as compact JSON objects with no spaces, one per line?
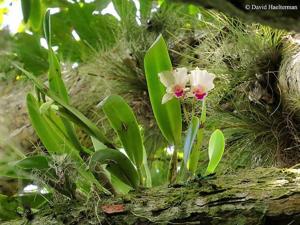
{"x":173,"y":166}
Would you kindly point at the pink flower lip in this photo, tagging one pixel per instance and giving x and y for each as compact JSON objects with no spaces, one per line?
{"x":178,"y":91}
{"x":199,"y":93}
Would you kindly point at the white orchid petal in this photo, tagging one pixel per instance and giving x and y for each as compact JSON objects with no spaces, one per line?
{"x":170,"y":89}
{"x":203,"y":78}
{"x":167,"y":78}
{"x":167,"y":97}
{"x":181,"y":76}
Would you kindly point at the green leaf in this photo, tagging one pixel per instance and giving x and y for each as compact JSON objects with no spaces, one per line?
{"x":47,"y":27}
{"x":194,"y":157}
{"x":32,"y":200}
{"x":56,"y":83}
{"x":215,"y":150}
{"x":117,"y":164}
{"x":123,"y":121}
{"x":48,"y":136}
{"x":58,"y":87}
{"x":36,"y":14}
{"x":97,"y":144}
{"x":70,"y":112}
{"x":33,"y":162}
{"x":101,"y":4}
{"x":52,"y":137}
{"x":26,"y":9}
{"x":190,"y":138}
{"x":168,"y":115}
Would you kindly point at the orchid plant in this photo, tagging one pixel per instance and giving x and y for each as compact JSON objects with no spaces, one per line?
{"x":167,"y":88}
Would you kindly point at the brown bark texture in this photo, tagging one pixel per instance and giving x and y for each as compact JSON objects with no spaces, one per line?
{"x":261,"y":196}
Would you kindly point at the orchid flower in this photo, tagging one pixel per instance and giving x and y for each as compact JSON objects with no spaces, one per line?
{"x":175,"y":82}
{"x":201,"y":83}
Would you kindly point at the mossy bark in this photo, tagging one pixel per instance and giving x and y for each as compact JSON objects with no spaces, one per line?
{"x":262,"y":196}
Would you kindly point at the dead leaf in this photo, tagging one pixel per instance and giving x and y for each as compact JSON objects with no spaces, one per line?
{"x":113,"y":209}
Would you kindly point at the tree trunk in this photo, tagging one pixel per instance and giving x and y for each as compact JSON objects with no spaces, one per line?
{"x":262,"y":196}
{"x":289,"y":75}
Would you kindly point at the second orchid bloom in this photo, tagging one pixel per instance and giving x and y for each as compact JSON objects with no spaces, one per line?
{"x":179,"y":83}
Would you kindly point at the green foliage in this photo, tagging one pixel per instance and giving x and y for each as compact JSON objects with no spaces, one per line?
{"x":168,"y":116}
{"x":116,"y":163}
{"x":190,"y":138}
{"x":125,"y":9}
{"x":30,"y":53}
{"x":215,"y":150}
{"x":26,"y":7}
{"x":36,"y":14}
{"x":33,"y":11}
{"x":47,"y":27}
{"x":8,"y":208}
{"x":124,"y":123}
{"x":34,"y":162}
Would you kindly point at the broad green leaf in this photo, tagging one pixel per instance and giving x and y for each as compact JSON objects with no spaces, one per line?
{"x":168,"y":115}
{"x":70,"y":112}
{"x":124,"y":123}
{"x":190,"y":138}
{"x":33,"y":162}
{"x":36,"y":14}
{"x":120,"y":186}
{"x":26,"y":9}
{"x":51,"y":136}
{"x":117,"y":164}
{"x":215,"y":150}
{"x":48,"y":136}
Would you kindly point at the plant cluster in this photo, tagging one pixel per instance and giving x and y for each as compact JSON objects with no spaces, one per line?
{"x":68,"y":168}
